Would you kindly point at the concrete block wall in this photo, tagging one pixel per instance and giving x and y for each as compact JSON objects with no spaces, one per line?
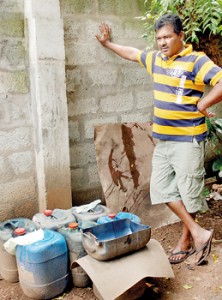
{"x":101,"y":87}
{"x":17,"y":161}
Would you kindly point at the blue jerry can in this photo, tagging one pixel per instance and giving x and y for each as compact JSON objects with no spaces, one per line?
{"x":44,"y":266}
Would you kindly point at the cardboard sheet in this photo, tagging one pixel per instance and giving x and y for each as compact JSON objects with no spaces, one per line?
{"x":124,"y":154}
{"x":114,"y":277}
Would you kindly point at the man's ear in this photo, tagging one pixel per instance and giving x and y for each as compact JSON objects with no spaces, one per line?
{"x":182,"y":35}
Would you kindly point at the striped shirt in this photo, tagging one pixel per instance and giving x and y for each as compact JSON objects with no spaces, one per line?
{"x":178,"y":85}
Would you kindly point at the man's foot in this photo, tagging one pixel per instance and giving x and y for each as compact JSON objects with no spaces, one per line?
{"x":180,"y":256}
{"x":204,"y":250}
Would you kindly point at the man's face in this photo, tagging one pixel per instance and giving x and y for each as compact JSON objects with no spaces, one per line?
{"x":169,"y":43}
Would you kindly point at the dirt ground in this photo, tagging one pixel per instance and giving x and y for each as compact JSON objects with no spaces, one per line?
{"x":190,"y":283}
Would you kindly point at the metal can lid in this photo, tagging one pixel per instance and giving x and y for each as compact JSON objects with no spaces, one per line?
{"x":73,"y":225}
{"x":112,"y":216}
{"x":20,"y":231}
{"x":47,"y":212}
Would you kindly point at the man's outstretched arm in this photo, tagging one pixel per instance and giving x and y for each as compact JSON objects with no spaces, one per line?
{"x":125,"y":52}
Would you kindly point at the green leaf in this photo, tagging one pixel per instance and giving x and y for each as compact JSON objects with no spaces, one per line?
{"x":219,"y":122}
{"x":217,"y":164}
{"x":187,"y":286}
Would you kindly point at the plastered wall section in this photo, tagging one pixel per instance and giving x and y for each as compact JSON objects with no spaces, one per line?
{"x":17,"y":162}
{"x":101,"y":87}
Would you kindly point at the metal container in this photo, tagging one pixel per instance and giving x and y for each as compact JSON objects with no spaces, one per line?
{"x":115,"y":238}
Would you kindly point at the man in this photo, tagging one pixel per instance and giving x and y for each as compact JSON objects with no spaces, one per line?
{"x":179,"y":76}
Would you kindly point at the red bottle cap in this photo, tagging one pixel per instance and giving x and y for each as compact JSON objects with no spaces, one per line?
{"x":73,"y":225}
{"x":47,"y":212}
{"x":20,"y":231}
{"x":112,"y":216}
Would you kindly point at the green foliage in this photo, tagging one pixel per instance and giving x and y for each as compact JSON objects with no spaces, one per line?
{"x":199,"y":17}
{"x":217,"y":164}
{"x":205,"y":192}
{"x":214,"y":127}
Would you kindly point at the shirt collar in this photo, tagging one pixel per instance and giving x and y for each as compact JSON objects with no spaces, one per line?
{"x":188,"y":49}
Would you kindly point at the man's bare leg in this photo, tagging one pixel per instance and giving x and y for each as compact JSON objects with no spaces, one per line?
{"x":182,"y":245}
{"x":190,"y":227}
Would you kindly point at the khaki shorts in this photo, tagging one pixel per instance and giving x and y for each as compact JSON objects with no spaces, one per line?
{"x":178,"y":174}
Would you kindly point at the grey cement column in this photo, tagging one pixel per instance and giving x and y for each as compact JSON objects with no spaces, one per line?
{"x":49,"y":103}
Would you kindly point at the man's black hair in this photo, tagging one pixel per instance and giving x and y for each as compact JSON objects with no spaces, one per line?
{"x":169,"y":19}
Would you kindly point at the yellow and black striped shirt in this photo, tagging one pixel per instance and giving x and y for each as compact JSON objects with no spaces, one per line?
{"x":178,"y":85}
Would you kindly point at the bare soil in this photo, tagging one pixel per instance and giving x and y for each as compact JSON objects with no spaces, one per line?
{"x":190,"y":283}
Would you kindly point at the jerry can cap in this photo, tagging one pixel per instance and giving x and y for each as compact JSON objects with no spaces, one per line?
{"x":47,"y":212}
{"x":73,"y":225}
{"x":112,"y":216}
{"x":20,"y":231}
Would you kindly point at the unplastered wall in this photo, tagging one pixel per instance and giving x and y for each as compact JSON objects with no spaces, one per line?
{"x":101,"y":87}
{"x":17,"y":164}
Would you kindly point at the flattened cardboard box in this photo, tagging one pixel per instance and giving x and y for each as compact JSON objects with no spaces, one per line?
{"x":114,"y":277}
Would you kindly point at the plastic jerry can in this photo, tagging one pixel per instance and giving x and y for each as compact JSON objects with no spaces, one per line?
{"x":119,"y":216}
{"x":43,"y":266}
{"x":106,"y":219}
{"x":126,"y":215}
{"x":91,"y":215}
{"x":9,"y":229}
{"x":53,"y":219}
{"x":72,"y":234}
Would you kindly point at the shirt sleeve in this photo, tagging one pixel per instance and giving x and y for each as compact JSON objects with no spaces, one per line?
{"x":206,"y":71}
{"x":145,"y":59}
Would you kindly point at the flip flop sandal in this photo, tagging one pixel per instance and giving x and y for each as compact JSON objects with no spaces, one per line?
{"x":186,"y":254}
{"x":206,"y":248}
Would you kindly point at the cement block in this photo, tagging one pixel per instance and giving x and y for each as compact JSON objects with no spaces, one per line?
{"x":93,"y":174}
{"x":106,"y":76}
{"x":77,"y":178}
{"x":108,"y":57}
{"x":144,"y":99}
{"x":15,"y":139}
{"x":80,"y":54}
{"x":14,"y":191}
{"x":18,"y":109}
{"x":13,"y":55}
{"x":133,"y":30}
{"x":140,"y":76}
{"x":135,"y":117}
{"x":14,"y":82}
{"x":6,"y":172}
{"x":119,"y":103}
{"x":83,"y":106}
{"x":115,"y":7}
{"x":74,"y":134}
{"x":73,"y":28}
{"x":82,"y":154}
{"x":22,"y":162}
{"x":3,"y":114}
{"x":77,"y":6}
{"x":12,"y":6}
{"x":90,"y":124}
{"x":74,"y":78}
{"x":26,"y":208}
{"x":11,"y":28}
